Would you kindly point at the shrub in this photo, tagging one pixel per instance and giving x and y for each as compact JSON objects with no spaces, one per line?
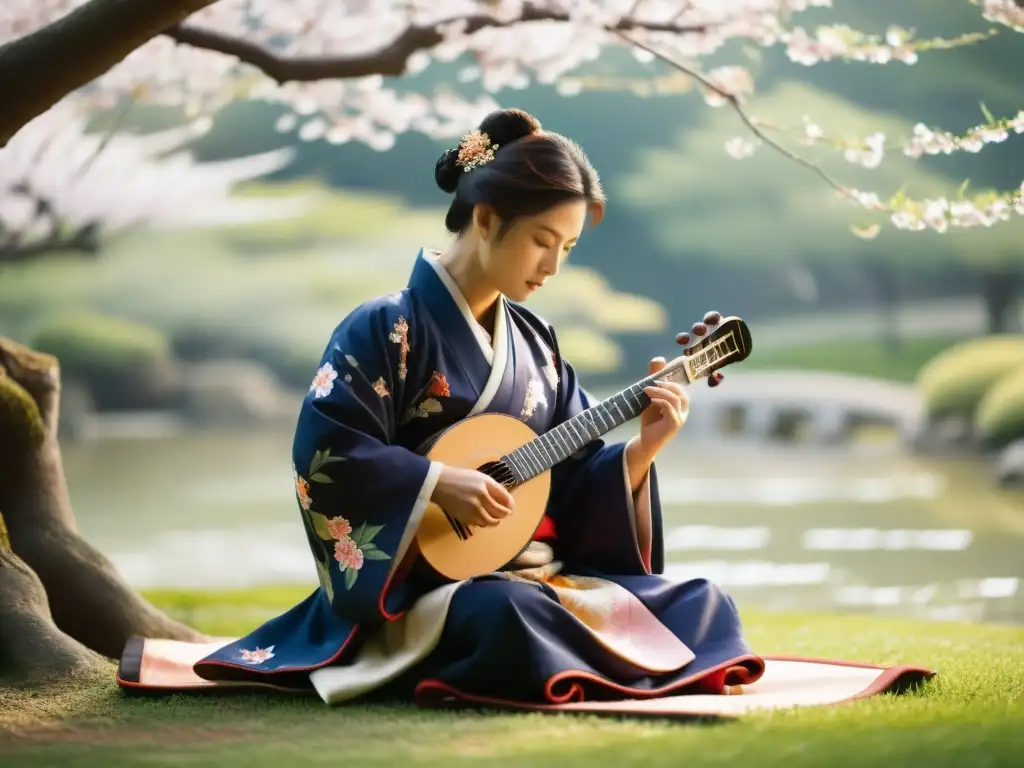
{"x":290,"y":356}
{"x":123,"y":364}
{"x":954,"y":381}
{"x":1000,"y":415}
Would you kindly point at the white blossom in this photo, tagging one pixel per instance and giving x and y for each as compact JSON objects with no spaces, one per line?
{"x":1003,"y":12}
{"x":870,"y":154}
{"x":739,"y":147}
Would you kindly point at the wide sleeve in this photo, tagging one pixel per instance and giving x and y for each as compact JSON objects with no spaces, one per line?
{"x":362,"y":496}
{"x":602,"y":525}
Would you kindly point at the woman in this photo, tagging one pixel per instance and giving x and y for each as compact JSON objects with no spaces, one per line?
{"x":583,"y":613}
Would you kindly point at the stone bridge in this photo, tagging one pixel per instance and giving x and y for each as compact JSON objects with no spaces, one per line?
{"x":805,"y":407}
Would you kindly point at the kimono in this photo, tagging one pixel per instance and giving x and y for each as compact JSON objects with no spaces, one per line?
{"x":585,"y":614}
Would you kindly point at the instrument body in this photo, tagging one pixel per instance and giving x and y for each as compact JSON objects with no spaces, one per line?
{"x":512,"y":453}
{"x":479,"y":442}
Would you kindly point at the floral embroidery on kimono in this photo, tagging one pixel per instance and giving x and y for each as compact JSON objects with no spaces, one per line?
{"x":381,"y":388}
{"x":550,"y":372}
{"x":354,"y":363}
{"x":320,"y":460}
{"x":302,"y":489}
{"x":437,"y":387}
{"x":323,"y":381}
{"x":258,"y":656}
{"x":534,"y":397}
{"x":550,"y":368}
{"x":400,"y":335}
{"x":351,"y":549}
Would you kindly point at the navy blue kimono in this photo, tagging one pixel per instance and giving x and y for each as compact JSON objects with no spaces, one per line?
{"x":586,"y":616}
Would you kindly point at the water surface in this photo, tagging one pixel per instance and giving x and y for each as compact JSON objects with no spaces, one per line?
{"x":867,"y":529}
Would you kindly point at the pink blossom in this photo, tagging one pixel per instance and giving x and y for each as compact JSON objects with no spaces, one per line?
{"x":348,"y":554}
{"x":302,"y":490}
{"x":339,"y":527}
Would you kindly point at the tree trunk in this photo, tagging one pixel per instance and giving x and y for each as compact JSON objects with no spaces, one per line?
{"x":32,"y":648}
{"x":88,"y":599}
{"x":1000,"y":290}
{"x":41,"y":68}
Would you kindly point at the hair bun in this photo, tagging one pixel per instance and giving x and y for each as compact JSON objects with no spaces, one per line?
{"x":446,"y":172}
{"x":502,"y":127}
{"x":506,"y":125}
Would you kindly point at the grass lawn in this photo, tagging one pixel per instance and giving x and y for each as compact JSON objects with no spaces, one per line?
{"x":970,"y":715}
{"x":860,"y":358}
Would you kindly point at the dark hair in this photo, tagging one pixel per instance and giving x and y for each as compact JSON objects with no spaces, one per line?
{"x":532,"y":171}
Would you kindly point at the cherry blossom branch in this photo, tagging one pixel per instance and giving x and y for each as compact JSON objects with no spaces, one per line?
{"x":40,"y":68}
{"x":985,"y":209}
{"x":838,"y":41}
{"x":870,"y":151}
{"x":733,"y":100}
{"x":392,"y":59}
{"x":939,"y":214}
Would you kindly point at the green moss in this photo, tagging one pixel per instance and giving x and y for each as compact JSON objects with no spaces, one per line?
{"x":20,"y":421}
{"x":969,"y":715}
{"x":955,"y":381}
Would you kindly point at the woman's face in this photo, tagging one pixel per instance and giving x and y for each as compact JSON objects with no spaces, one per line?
{"x":531,"y":250}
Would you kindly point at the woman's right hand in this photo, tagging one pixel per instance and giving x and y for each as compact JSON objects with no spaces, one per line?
{"x":471,"y":497}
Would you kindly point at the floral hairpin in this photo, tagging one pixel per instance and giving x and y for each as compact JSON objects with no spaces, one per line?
{"x":475,"y":150}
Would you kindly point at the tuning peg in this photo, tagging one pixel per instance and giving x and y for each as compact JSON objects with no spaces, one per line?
{"x":682,"y":339}
{"x":715,"y":379}
{"x":699,"y":329}
{"x":713,"y":318}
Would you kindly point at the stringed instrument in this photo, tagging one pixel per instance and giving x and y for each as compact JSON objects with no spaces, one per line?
{"x":511,"y":452}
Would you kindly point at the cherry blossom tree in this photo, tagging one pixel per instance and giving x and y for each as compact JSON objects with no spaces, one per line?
{"x":328,"y":60}
{"x":333,"y":64}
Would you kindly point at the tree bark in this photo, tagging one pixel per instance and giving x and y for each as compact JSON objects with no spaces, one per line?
{"x":392,"y":59}
{"x":41,"y":68}
{"x":32,"y":648}
{"x":88,"y":599}
{"x":1000,"y":289}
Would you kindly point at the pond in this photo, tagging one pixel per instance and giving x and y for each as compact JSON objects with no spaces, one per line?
{"x":860,"y":529}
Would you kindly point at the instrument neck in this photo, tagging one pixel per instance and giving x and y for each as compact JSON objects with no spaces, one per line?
{"x":572,"y":435}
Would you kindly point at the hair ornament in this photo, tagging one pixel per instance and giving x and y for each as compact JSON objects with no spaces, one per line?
{"x":475,"y":150}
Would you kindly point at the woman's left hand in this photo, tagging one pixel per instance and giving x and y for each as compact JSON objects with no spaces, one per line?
{"x":666,"y":414}
{"x":669,"y":406}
